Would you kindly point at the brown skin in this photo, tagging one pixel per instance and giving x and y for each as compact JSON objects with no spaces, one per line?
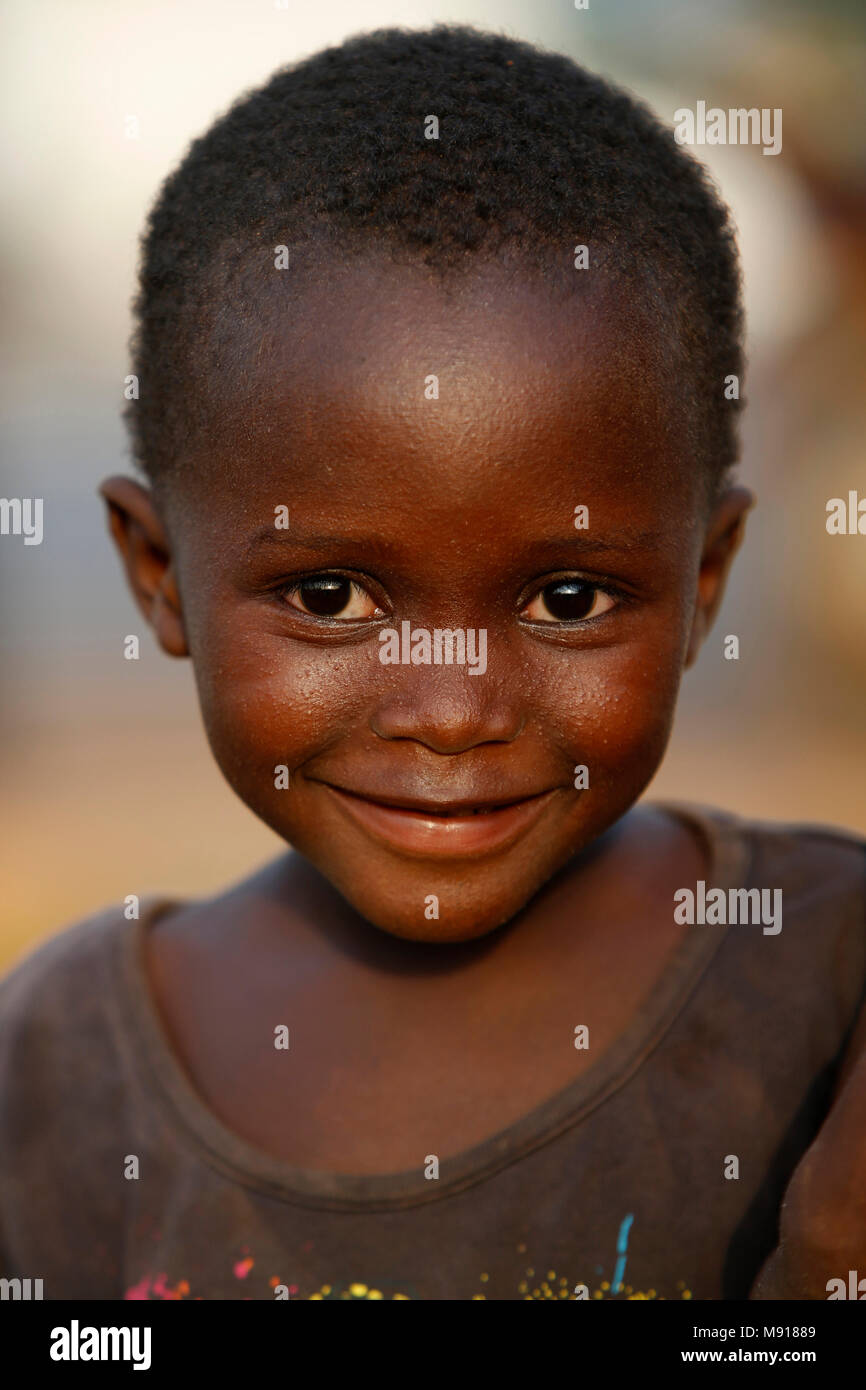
{"x":451,"y":513}
{"x":454,"y":512}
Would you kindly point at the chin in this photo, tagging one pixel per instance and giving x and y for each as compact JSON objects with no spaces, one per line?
{"x":460,"y":920}
{"x":437,"y":933}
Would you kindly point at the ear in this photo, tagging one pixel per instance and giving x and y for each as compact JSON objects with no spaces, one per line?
{"x":724,"y":534}
{"x":145,"y":549}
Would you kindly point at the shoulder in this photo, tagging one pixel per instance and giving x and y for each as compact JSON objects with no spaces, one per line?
{"x":65,"y":1103}
{"x":64,"y":1046}
{"x":814,"y":880}
{"x":55,"y":972}
{"x":55,"y":1003}
{"x":49,"y":975}
{"x":819,"y":875}
{"x":816,"y":843}
{"x":809,"y":860}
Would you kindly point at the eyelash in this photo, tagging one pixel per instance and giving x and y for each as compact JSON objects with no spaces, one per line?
{"x":285,"y":591}
{"x":620,"y":596}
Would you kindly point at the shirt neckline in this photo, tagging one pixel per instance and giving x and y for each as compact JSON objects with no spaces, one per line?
{"x":239,"y":1160}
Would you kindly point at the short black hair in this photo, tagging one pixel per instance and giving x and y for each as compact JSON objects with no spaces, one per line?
{"x":534,"y":156}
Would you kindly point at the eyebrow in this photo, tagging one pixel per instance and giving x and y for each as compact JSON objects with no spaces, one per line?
{"x":269,"y":535}
{"x":628,"y":541}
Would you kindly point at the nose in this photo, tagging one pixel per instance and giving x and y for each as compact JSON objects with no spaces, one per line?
{"x":447,"y":710}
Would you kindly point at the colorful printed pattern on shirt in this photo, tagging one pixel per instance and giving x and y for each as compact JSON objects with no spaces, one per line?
{"x":530,"y":1283}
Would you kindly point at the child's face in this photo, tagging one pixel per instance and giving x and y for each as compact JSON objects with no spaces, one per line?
{"x":456,"y":512}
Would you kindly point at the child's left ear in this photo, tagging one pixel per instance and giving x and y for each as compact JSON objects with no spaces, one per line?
{"x":724,"y":534}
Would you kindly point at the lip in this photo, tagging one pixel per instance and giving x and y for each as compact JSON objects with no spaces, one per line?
{"x":447,"y":830}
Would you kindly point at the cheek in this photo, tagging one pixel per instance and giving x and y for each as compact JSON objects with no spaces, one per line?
{"x":266,"y":700}
{"x":613,"y":710}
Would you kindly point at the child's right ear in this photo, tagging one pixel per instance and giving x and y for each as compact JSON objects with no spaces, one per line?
{"x":145,"y":550}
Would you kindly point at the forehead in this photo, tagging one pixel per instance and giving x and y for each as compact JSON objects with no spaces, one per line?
{"x":367,"y":380}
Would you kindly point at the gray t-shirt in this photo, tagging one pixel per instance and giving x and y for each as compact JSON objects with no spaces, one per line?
{"x":618,"y":1182}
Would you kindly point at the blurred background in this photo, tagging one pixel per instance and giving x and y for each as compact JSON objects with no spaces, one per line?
{"x":109,"y":787}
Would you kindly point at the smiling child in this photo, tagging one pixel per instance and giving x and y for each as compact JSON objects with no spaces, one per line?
{"x":433,"y":336}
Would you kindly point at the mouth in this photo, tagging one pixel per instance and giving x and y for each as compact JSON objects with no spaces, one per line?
{"x":446,"y":829}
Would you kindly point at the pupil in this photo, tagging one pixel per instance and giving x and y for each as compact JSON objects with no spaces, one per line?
{"x":326,"y":595}
{"x":569,"y":600}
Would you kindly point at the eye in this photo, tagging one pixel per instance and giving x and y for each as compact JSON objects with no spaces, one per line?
{"x":331,"y":596}
{"x":568,"y":601}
